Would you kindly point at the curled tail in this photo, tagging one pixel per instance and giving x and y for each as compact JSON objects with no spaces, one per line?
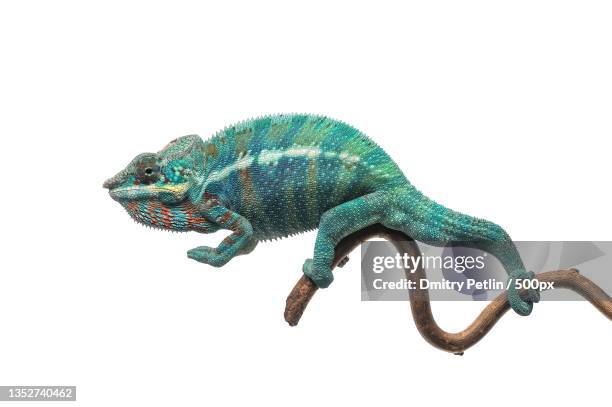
{"x":425,"y":220}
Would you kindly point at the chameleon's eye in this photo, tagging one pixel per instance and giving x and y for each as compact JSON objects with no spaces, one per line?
{"x":147,"y":171}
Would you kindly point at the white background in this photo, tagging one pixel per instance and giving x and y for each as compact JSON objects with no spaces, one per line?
{"x":497,"y":109}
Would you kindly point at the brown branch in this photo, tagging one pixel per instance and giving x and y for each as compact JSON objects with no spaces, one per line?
{"x":456,"y":343}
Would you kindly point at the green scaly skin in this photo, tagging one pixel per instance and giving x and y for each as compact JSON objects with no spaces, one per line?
{"x":279,"y":175}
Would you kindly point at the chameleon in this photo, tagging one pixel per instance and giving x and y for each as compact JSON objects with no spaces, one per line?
{"x":276,"y":176}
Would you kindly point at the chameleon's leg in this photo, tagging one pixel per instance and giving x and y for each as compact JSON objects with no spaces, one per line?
{"x":241,"y":241}
{"x":434,"y":224}
{"x":335,"y":224}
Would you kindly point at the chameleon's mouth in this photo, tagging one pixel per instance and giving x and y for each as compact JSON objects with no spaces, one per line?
{"x":115,"y":181}
{"x":109,"y":183}
{"x":147,"y":192}
{"x":127,"y":193}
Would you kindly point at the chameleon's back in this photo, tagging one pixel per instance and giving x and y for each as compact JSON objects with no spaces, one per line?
{"x":283,"y":172}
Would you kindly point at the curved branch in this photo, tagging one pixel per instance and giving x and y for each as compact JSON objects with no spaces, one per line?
{"x":420,"y":305}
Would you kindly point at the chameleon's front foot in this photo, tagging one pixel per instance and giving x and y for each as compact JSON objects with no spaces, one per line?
{"x":322,"y":278}
{"x":521,"y":305}
{"x":208,"y":255}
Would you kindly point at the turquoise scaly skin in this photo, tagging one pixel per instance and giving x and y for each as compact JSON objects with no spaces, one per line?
{"x":276,"y":176}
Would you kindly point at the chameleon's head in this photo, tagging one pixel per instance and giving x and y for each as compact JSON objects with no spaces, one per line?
{"x":159,"y":189}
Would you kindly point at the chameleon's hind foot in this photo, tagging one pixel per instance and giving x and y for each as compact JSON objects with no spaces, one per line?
{"x":522,"y":305}
{"x":321,"y":278}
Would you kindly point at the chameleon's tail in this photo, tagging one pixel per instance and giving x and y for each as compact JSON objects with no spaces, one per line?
{"x":426,"y":220}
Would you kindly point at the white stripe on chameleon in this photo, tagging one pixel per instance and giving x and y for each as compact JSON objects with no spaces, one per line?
{"x":271,"y":157}
{"x":310,"y":152}
{"x":347,"y":157}
{"x":241,"y":163}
